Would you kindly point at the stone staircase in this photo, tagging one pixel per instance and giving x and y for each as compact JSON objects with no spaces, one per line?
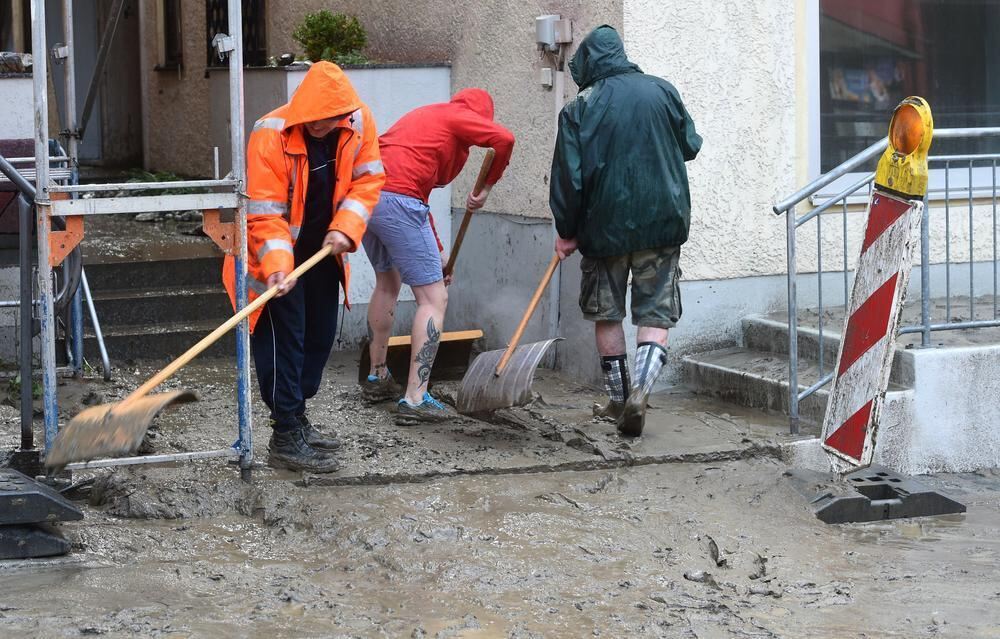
{"x":755,"y":374}
{"x":157,"y":309}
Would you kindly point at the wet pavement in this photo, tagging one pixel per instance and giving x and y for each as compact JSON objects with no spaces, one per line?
{"x":538,"y":523}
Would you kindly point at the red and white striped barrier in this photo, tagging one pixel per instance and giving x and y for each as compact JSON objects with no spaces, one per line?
{"x":868,"y":342}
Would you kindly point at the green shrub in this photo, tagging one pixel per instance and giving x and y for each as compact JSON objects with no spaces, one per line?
{"x":329,"y":36}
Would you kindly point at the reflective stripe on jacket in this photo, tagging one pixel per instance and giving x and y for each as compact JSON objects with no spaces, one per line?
{"x":278,"y":176}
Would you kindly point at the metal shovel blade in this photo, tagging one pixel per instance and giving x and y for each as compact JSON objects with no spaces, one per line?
{"x":110,"y":430}
{"x":482,"y":390}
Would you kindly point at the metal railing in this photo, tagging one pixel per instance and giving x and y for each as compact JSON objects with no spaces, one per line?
{"x":979,"y":192}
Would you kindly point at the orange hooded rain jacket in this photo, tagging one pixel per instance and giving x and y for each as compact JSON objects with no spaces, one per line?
{"x":278,"y":176}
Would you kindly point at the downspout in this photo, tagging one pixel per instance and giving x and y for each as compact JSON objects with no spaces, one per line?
{"x":555,"y":288}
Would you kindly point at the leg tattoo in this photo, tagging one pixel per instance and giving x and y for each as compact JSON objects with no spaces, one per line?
{"x":425,"y":358}
{"x":371,"y":333}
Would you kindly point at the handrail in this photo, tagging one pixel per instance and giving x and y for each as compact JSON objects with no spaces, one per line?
{"x":860,"y":179}
{"x":870,"y":153}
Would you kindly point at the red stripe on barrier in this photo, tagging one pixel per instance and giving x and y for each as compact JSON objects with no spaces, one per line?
{"x":868,"y":324}
{"x":850,"y":437}
{"x":884,"y":212}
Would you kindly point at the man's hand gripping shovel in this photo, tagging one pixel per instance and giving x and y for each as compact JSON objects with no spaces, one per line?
{"x":112,"y":430}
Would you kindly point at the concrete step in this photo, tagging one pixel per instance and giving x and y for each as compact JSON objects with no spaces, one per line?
{"x":758,"y":379}
{"x":157,"y":341}
{"x":770,"y":335}
{"x":159,"y":274}
{"x":146,"y":307}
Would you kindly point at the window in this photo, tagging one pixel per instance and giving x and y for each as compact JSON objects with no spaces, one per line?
{"x":171,"y":44}
{"x":254,"y":40}
{"x":873,"y":54}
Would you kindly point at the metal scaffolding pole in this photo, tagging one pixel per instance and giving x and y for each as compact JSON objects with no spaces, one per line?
{"x":73,"y":148}
{"x":46,"y":312}
{"x":236,"y":130}
{"x":51,"y":201}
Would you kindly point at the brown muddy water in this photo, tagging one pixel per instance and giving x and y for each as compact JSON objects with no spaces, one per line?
{"x":539,"y":523}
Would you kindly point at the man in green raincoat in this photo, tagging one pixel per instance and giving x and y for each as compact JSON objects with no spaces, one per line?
{"x":619,"y":193}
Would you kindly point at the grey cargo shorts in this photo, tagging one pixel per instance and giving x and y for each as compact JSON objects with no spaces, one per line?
{"x":656,"y":293}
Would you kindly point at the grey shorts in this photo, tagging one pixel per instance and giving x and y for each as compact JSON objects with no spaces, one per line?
{"x":656,"y":292}
{"x":399,"y":236}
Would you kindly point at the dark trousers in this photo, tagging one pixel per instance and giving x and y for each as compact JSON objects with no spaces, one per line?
{"x":293,"y":339}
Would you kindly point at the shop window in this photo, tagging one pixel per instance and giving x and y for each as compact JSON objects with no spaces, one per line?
{"x":254,"y":32}
{"x":873,"y":54}
{"x":171,"y":43}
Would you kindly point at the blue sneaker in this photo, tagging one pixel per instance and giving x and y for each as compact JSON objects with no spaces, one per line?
{"x":429,"y":410}
{"x":378,"y":389}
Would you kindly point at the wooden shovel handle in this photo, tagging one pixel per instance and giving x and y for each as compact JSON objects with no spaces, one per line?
{"x":484,"y":171}
{"x":527,"y":315}
{"x":214,"y":336}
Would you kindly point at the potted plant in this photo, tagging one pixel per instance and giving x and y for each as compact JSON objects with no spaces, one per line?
{"x":334,"y":37}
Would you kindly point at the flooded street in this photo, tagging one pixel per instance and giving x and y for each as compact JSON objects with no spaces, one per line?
{"x":539,"y":523}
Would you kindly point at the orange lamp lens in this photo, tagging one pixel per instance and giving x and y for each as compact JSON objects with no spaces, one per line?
{"x":906,"y":130}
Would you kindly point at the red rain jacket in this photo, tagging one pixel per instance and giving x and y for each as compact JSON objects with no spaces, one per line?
{"x":428,"y":146}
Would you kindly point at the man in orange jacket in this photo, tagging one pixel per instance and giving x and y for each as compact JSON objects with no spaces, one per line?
{"x":313,"y":177}
{"x":426,"y":148}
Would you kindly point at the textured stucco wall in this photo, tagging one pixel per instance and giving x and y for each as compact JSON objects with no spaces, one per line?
{"x":16,"y":99}
{"x":739,"y":82}
{"x":491,"y":44}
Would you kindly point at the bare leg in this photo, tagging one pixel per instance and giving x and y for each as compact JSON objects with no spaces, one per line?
{"x":651,"y":334}
{"x":610,"y":338}
{"x":432,"y":301}
{"x":381,"y":312}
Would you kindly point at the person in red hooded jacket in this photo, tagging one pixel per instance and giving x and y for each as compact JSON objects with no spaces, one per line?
{"x":313,"y":178}
{"x":426,"y":148}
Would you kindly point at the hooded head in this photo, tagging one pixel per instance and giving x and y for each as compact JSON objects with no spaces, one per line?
{"x":478,"y":100}
{"x":601,"y":55}
{"x":325,"y":92}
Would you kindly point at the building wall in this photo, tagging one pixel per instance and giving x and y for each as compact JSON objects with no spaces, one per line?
{"x":176,"y":107}
{"x":490,"y":44}
{"x":741,"y":85}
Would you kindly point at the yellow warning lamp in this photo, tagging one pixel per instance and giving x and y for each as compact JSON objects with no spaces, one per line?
{"x":903,"y":166}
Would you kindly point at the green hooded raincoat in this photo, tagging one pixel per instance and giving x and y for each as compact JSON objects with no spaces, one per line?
{"x":619,"y":183}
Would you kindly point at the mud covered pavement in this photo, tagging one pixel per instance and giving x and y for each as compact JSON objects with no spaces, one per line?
{"x":541,"y":523}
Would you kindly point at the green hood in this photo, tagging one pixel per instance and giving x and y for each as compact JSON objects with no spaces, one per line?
{"x":601,"y":55}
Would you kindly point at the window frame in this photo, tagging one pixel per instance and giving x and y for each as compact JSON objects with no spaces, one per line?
{"x":254,"y":33}
{"x":165,"y":60}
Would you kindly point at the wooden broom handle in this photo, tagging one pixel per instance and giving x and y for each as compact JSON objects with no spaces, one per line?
{"x":527,"y":315}
{"x":214,"y":336}
{"x":484,"y":171}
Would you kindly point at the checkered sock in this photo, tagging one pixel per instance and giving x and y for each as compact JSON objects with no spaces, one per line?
{"x":616,"y":382}
{"x":649,"y":360}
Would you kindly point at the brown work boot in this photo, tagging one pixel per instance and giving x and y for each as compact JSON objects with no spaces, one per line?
{"x":289,"y":449}
{"x":378,"y":389}
{"x":609,"y":411}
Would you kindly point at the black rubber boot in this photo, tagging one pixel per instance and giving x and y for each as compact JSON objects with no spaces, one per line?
{"x":315,"y":438}
{"x":649,"y":360}
{"x":289,"y":449}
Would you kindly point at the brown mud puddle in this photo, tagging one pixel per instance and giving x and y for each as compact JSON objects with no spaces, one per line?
{"x":538,"y":523}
